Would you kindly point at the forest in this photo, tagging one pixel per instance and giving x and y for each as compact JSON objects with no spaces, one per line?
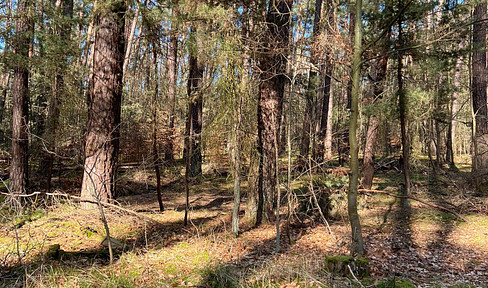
{"x":241,"y":143}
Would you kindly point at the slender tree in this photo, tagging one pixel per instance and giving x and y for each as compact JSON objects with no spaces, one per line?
{"x":326,"y":70}
{"x":157,"y":162}
{"x":402,"y":99}
{"x":172,"y":66}
{"x":102,"y":140}
{"x":64,"y":10}
{"x":357,"y":247}
{"x":313,"y":82}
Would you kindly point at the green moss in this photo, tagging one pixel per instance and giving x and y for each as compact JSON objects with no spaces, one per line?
{"x":20,"y":221}
{"x":392,"y":283}
{"x":340,"y":265}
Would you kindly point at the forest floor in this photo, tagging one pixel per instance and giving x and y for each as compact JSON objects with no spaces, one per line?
{"x":418,"y":246}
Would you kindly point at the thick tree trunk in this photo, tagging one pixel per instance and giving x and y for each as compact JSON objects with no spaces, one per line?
{"x":20,"y":98}
{"x":172,"y":78}
{"x":357,"y":247}
{"x":378,"y":75}
{"x":102,"y":140}
{"x":479,"y":82}
{"x":271,"y":89}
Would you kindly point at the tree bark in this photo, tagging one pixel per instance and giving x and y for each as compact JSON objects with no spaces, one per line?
{"x":402,"y":99}
{"x":237,"y":168}
{"x":172,"y":78}
{"x":102,"y":141}
{"x":194,"y":119}
{"x":20,"y":98}
{"x":64,"y":9}
{"x":357,"y":247}
{"x":454,"y":110}
{"x":479,"y":85}
{"x":130,"y":40}
{"x":326,"y":70}
{"x":157,"y":162}
{"x":271,"y":90}
{"x":378,"y":75}
{"x":313,"y":81}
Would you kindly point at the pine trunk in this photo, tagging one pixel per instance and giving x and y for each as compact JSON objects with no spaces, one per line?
{"x":479,"y":85}
{"x":378,"y":75}
{"x":65,"y":8}
{"x":271,"y":90}
{"x":313,"y":81}
{"x":172,"y":78}
{"x":20,"y":99}
{"x":102,"y":140}
{"x":194,"y":119}
{"x":157,"y":162}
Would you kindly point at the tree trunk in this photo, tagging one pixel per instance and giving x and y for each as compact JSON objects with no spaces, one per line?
{"x":330,"y":126}
{"x":237,"y":168}
{"x":357,"y":247}
{"x":325,"y":93}
{"x":403,"y":110}
{"x":157,"y":162}
{"x":271,"y":90}
{"x":343,"y":146}
{"x":130,"y":40}
{"x":480,"y":159}
{"x":313,"y":81}
{"x":65,"y":9}
{"x":194,"y":119}
{"x":172,"y":78}
{"x":454,"y":110}
{"x":20,"y":98}
{"x":102,"y":140}
{"x":378,"y":75}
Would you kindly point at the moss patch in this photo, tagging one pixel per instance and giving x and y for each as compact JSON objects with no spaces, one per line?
{"x":341,"y":264}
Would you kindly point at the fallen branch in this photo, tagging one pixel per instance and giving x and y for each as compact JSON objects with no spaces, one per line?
{"x":79,"y":199}
{"x":416,"y":199}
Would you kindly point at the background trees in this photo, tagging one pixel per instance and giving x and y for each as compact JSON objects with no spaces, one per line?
{"x":215,"y":77}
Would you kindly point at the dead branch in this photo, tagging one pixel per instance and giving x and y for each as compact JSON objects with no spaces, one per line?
{"x":416,"y":199}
